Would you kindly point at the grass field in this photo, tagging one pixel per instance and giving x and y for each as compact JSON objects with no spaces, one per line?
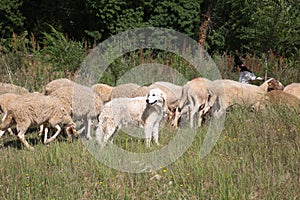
{"x":256,"y":157}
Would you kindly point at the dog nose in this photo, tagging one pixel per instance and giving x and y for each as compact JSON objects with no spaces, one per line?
{"x":147,"y":101}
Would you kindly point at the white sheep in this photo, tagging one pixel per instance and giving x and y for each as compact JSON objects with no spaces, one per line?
{"x":81,"y":103}
{"x":293,"y":88}
{"x":34,"y":110}
{"x":57,"y":83}
{"x":10,"y":88}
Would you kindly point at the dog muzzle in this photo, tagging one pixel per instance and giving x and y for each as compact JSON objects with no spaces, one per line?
{"x":151,"y":103}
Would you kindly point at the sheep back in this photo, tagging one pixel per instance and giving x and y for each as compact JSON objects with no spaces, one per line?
{"x":293,"y":89}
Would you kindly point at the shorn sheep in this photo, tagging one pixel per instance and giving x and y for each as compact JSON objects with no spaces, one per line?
{"x":203,"y":95}
{"x":293,"y":88}
{"x":194,"y":98}
{"x":146,"y":112}
{"x":81,"y":103}
{"x":34,"y":110}
{"x":231,"y":93}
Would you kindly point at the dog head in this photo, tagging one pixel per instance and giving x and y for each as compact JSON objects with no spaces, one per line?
{"x":156,"y":96}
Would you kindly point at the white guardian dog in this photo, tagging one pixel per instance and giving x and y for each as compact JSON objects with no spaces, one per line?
{"x":146,"y":112}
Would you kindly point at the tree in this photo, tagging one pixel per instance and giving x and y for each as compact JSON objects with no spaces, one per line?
{"x":11,"y":19}
{"x":256,"y":26}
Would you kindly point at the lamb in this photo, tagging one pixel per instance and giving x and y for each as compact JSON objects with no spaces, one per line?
{"x":10,"y":88}
{"x":81,"y":103}
{"x":36,"y":109}
{"x":58,"y":83}
{"x":146,"y":112}
{"x":293,"y":89}
{"x":103,"y":90}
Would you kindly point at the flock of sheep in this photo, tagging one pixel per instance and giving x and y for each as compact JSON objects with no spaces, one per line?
{"x":64,"y":102}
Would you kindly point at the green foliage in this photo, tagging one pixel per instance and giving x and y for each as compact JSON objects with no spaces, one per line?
{"x":257,"y":26}
{"x":11,"y":19}
{"x":62,"y":53}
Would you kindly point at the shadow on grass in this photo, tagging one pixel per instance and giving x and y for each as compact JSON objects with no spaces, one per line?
{"x":31,"y":137}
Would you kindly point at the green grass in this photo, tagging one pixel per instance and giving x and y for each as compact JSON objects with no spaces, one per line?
{"x":256,"y":157}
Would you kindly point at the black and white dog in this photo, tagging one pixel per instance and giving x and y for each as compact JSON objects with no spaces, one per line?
{"x":246,"y":75}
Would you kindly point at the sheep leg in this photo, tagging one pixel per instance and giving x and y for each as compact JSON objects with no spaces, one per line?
{"x":176,"y":118}
{"x":88,"y":125}
{"x":21,"y":136}
{"x":4,"y":116}
{"x":1,"y":133}
{"x":192,"y":114}
{"x":41,"y":130}
{"x":55,"y":135}
{"x":46,"y":135}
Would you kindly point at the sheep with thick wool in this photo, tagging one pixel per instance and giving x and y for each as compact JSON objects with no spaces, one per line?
{"x":123,"y":90}
{"x":35,"y":110}
{"x":281,"y":98}
{"x":81,"y":103}
{"x":293,"y":88}
{"x":5,"y":100}
{"x":103,"y":90}
{"x":11,"y":88}
{"x":56,"y":84}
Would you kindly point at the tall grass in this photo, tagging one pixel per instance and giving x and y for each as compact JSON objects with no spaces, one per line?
{"x":256,"y":157}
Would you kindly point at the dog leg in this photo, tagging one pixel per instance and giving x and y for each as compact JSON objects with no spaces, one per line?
{"x":155,"y":133}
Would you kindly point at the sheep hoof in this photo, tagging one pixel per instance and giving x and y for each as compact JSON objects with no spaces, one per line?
{"x":31,"y":148}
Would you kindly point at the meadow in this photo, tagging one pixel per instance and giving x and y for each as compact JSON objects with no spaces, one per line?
{"x":256,"y":157}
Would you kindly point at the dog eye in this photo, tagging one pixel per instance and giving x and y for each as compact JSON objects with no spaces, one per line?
{"x":153,"y":94}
